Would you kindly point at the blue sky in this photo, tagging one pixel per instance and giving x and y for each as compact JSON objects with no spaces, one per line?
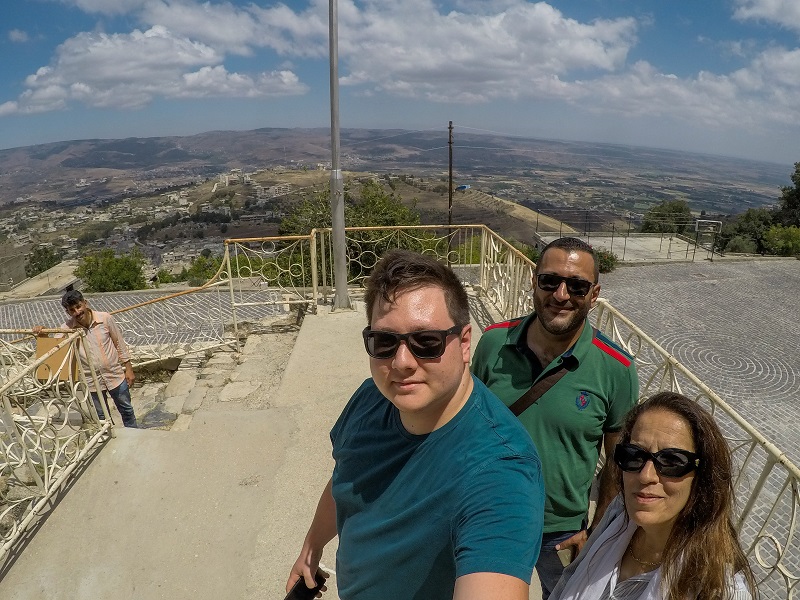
{"x":711,"y":76}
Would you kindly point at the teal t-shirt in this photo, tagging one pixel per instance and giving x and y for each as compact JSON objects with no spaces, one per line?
{"x":568,"y":422}
{"x":414,"y":512}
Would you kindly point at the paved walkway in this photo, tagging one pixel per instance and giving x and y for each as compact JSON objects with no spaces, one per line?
{"x":734,"y":324}
{"x":217,"y":506}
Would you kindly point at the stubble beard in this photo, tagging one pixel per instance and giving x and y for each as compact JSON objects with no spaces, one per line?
{"x":559,"y":328}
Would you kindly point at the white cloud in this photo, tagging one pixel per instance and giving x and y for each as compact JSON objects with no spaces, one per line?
{"x":782,"y":12}
{"x":107,"y":7}
{"x":518,"y":51}
{"x":479,"y":51}
{"x":17,"y":35}
{"x":223,"y":26}
{"x":764,"y":91}
{"x":130,"y":70}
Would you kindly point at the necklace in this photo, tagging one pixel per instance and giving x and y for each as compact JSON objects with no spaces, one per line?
{"x":644,"y":563}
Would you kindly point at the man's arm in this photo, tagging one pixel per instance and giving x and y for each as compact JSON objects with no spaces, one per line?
{"x":322,"y":531}
{"x":490,"y":586}
{"x":607,"y":487}
{"x":606,"y":491}
{"x":115,"y":334}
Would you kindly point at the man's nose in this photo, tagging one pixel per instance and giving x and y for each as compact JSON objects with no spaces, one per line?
{"x":561,"y":294}
{"x":403,"y":359}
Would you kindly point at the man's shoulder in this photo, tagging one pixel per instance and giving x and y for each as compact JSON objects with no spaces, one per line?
{"x":504,"y":325}
{"x":504,"y":428}
{"x":498,"y":334}
{"x":609,"y":348}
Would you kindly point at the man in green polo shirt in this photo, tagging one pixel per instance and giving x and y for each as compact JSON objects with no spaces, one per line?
{"x":595,"y":386}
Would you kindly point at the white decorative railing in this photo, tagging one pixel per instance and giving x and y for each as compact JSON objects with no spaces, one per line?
{"x":458,"y":245}
{"x":767,"y":483}
{"x":177,"y":325}
{"x":48,"y":425}
{"x":506,"y":277}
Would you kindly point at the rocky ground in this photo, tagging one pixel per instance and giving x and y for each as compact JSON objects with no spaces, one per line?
{"x":222,"y":380}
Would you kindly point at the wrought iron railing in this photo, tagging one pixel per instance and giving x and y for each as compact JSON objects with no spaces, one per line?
{"x":177,"y":325}
{"x":48,"y":425}
{"x":278,"y":273}
{"x":767,"y":483}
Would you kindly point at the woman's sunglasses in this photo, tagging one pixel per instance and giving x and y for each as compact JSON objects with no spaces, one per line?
{"x":575,"y":285}
{"x":422,"y":344}
{"x":669,"y":462}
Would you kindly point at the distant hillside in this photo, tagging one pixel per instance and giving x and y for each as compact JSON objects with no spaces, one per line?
{"x":105,"y":169}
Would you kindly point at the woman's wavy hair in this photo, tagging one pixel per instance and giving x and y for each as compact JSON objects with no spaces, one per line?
{"x":703,"y":551}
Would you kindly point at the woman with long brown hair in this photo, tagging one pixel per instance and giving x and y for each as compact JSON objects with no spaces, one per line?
{"x":669,"y":534}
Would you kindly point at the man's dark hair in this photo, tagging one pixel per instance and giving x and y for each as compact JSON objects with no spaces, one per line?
{"x":571,"y":244}
{"x":401,"y":270}
{"x":71,"y":298}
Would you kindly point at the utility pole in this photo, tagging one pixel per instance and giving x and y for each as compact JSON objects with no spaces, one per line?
{"x":450,"y":179}
{"x":450,"y":193}
{"x":341,"y":300}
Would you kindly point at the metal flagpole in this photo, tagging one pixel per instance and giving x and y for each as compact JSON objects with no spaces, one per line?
{"x":341,"y":300}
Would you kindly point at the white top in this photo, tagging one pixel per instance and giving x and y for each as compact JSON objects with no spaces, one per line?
{"x":594,"y":574}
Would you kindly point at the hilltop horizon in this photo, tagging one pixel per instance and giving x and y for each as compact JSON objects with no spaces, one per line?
{"x":712,"y":78}
{"x":398,"y":131}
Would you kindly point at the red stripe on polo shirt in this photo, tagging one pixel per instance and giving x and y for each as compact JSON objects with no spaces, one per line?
{"x":504,"y":325}
{"x":611,"y":351}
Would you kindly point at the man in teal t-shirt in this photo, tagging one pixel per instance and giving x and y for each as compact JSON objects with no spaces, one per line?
{"x":585,"y":408}
{"x":437,"y":490}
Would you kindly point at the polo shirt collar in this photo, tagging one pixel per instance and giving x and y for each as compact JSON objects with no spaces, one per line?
{"x":578,"y":350}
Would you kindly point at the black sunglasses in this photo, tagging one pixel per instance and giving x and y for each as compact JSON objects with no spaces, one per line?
{"x":575,"y":285}
{"x":669,"y":462}
{"x":422,"y":344}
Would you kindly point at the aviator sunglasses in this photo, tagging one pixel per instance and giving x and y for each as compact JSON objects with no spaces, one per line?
{"x":669,"y":462}
{"x":575,"y":285}
{"x":422,"y":344}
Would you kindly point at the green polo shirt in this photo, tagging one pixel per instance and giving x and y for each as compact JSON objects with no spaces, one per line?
{"x":568,"y":422}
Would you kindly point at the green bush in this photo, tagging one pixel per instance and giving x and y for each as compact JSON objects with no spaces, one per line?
{"x":784,"y":241}
{"x":607,"y":261}
{"x":741,"y":245}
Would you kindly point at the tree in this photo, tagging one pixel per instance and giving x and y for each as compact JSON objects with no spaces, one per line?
{"x":373,"y":208}
{"x":41,"y":259}
{"x":376,"y":208}
{"x":106,"y":272}
{"x":752,"y":225}
{"x":606,"y":260}
{"x":740,"y":245}
{"x":784,"y":240}
{"x":788,"y":212}
{"x":203,"y":268}
{"x":671,"y":216}
{"x":313,"y":211}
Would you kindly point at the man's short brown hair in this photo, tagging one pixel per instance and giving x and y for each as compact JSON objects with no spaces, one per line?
{"x":401,"y":270}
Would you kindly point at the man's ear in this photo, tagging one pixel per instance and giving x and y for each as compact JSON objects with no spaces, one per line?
{"x":595,"y":294}
{"x":466,"y":341}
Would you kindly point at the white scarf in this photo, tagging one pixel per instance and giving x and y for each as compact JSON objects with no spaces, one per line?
{"x":601,"y":564}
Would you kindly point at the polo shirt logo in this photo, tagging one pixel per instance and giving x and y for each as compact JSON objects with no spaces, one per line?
{"x":582,"y":401}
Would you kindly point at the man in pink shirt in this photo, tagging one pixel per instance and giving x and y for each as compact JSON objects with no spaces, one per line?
{"x":110,"y":357}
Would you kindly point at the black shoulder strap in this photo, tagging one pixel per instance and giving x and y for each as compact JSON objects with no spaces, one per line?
{"x":540,"y":388}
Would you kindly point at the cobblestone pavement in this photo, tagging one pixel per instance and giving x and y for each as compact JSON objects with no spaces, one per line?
{"x":733,"y":324}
